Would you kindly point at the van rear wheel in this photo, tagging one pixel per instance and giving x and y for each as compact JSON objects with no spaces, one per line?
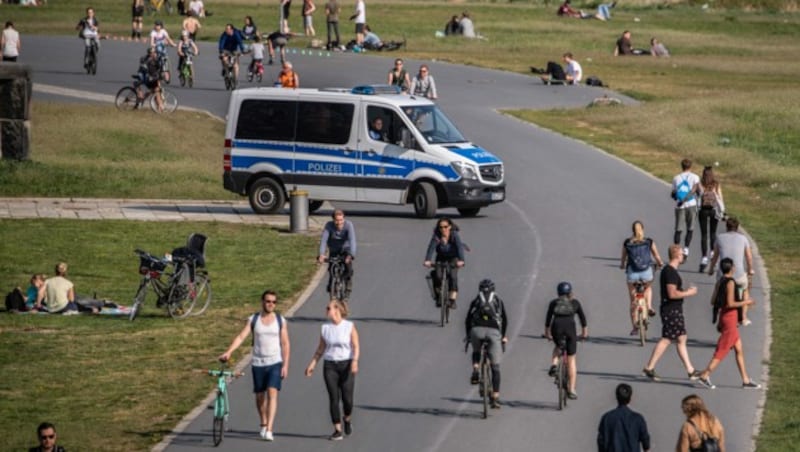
{"x":425,"y":200}
{"x":266,"y":196}
{"x":469,"y":212}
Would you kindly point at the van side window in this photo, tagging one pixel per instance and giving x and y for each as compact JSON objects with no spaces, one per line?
{"x":269,"y":120}
{"x":324,"y":122}
{"x":393,"y":126}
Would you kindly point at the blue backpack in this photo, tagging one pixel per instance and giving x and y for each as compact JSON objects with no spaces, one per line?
{"x":255,"y":319}
{"x":683,"y":190}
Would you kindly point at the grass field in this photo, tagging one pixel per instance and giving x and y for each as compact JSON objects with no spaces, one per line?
{"x":729,"y":95}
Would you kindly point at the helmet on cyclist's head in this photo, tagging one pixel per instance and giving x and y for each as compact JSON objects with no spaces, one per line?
{"x":487,"y":285}
{"x":564,"y":288}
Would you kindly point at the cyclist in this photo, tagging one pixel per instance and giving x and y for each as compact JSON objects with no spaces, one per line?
{"x":159,"y":39}
{"x":446,"y":243}
{"x":230,"y":46}
{"x":88,"y":31}
{"x":149,"y":75}
{"x":257,"y":49}
{"x":339,"y":239}
{"x":186,"y":48}
{"x":638,"y":254}
{"x":487,"y":320}
{"x":560,"y":325}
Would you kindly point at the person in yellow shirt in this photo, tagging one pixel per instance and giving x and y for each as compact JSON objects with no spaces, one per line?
{"x":59,"y":293}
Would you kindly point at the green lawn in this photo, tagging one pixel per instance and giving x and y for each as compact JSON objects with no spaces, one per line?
{"x":729,"y":95}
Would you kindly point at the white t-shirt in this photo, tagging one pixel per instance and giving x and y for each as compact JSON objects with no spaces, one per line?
{"x":196,"y":6}
{"x":692,"y":179}
{"x":159,"y":37}
{"x":258,"y":50}
{"x":575,"y":71}
{"x":11,"y":40}
{"x":267,"y":343}
{"x":361,"y":18}
{"x":467,"y":27}
{"x":338,"y":341}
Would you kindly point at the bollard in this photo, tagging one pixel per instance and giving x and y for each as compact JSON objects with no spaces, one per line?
{"x":298,"y":204}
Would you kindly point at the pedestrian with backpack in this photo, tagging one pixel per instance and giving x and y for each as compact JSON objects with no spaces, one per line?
{"x":487,"y":320}
{"x":559,"y":326}
{"x":270,"y":358}
{"x":639,"y":253}
{"x":702,"y":431}
{"x":685,"y":190}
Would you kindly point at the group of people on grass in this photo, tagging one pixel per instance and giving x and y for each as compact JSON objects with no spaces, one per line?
{"x":55,"y":295}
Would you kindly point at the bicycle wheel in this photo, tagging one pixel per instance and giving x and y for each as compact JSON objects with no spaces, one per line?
{"x":485,"y":389}
{"x":561,"y":382}
{"x":126,"y":99}
{"x":168,"y":100}
{"x":259,"y":76}
{"x":138,"y":300}
{"x":641,"y":325}
{"x":181,"y":301}
{"x":443,"y":301}
{"x":202,"y":293}
{"x":218,"y":429}
{"x":337,"y":282}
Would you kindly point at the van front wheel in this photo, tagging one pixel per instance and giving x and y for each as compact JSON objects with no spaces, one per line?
{"x":425,"y":200}
{"x":266,"y":196}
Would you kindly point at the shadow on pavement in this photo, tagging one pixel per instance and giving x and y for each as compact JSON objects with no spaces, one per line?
{"x":522,"y":404}
{"x":399,"y":321}
{"x":638,"y":378}
{"x":442,"y":412}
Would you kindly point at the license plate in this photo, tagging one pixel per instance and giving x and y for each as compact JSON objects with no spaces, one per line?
{"x":498,"y":196}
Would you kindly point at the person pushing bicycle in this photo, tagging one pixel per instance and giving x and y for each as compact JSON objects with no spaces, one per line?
{"x":447,"y":245}
{"x":89,"y":32}
{"x":560,"y":327}
{"x":486,"y":320}
{"x":339,"y":240}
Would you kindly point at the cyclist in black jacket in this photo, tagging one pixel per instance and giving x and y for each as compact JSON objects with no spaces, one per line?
{"x":487,"y":320}
{"x":560,"y":323}
{"x":446,"y":243}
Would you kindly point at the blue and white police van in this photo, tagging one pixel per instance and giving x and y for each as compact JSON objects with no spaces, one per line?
{"x":368,"y":144}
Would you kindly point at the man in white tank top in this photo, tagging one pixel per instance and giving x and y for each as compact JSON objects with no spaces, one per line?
{"x":270,"y":359}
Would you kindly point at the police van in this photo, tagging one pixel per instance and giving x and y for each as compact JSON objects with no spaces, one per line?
{"x":369,"y":144}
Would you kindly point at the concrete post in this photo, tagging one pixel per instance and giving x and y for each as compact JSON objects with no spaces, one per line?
{"x":298,"y":203}
{"x":15,"y":96}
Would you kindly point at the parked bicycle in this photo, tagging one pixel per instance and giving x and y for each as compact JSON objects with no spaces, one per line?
{"x":134,"y":96}
{"x":175,"y":293}
{"x":222,"y":407}
{"x":640,"y":304}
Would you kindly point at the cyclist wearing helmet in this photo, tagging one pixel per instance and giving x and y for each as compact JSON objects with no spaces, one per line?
{"x":560,"y":324}
{"x":447,"y":245}
{"x":486,"y":320}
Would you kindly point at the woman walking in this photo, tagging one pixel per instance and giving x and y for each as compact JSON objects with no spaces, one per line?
{"x":638,"y":255}
{"x":712,"y":208}
{"x":700,"y":426}
{"x":339,"y":348}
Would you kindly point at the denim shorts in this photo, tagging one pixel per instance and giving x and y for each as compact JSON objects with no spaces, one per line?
{"x":646,"y":276}
{"x":267,"y":377}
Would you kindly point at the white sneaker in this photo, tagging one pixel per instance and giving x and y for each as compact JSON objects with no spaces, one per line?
{"x":686,"y":251}
{"x":711,"y":254}
{"x":704,"y":261}
{"x":269,"y":437}
{"x":263,"y":433}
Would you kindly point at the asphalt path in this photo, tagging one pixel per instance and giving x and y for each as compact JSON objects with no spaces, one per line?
{"x":569,"y":208}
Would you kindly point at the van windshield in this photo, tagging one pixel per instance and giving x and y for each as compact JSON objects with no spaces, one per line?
{"x":433,"y":125}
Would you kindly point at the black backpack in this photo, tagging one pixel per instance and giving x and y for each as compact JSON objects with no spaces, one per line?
{"x":707,"y":443}
{"x":594,"y":81}
{"x":564,"y":307}
{"x":488,"y":309}
{"x":15,"y":300}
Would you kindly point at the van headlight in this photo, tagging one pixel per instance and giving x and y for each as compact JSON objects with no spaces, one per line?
{"x":465,"y":170}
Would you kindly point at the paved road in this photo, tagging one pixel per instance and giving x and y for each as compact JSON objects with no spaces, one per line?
{"x":569,"y":208}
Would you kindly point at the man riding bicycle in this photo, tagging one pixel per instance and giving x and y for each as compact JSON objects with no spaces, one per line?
{"x":339,"y":238}
{"x":230,"y":46}
{"x":447,"y":245}
{"x":560,"y":326}
{"x":487,"y":321}
{"x":89,"y":32}
{"x":149,"y":75}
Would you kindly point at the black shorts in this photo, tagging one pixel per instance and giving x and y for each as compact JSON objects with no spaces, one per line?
{"x":137,"y":12}
{"x":360,"y":28}
{"x":672,"y":322}
{"x":564,"y":327}
{"x":286,"y":10}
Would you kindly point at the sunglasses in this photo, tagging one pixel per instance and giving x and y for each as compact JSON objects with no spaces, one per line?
{"x":423,"y":70}
{"x":444,"y":226}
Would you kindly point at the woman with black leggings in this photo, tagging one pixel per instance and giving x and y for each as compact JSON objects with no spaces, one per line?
{"x":712,"y":209}
{"x":338,"y":347}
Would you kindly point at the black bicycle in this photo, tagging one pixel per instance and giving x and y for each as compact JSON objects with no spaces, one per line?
{"x":90,"y":58}
{"x":441,"y":297}
{"x":485,"y":374}
{"x":562,"y":374}
{"x":228,"y":72}
{"x":337,"y":269}
{"x":177,"y":293}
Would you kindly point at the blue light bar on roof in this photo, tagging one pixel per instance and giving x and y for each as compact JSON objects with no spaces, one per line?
{"x":372,"y":90}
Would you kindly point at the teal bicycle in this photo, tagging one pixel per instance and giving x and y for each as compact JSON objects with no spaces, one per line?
{"x":222,"y":408}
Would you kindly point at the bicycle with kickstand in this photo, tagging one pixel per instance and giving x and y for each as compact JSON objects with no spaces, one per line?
{"x":177,"y":293}
{"x":222,"y":407}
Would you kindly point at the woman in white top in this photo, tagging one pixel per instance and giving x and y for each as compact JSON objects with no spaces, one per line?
{"x":10,"y":43}
{"x":338,"y":347}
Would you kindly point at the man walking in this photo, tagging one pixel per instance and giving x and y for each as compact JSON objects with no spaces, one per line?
{"x":673,"y":329}
{"x":734,"y":245}
{"x":685,"y":188}
{"x":270,"y":361}
{"x":360,"y":16}
{"x":622,"y":429}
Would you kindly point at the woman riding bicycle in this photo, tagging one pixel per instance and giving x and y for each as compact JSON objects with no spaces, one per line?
{"x":560,"y":325}
{"x":638,"y":254}
{"x":446,"y":243}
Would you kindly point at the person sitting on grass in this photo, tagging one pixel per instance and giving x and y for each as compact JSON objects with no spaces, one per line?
{"x":625,"y":47}
{"x":554,"y":73}
{"x":59,"y":293}
{"x":35,"y":291}
{"x":452,"y":27}
{"x":657,"y":49}
{"x":371,"y":40}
